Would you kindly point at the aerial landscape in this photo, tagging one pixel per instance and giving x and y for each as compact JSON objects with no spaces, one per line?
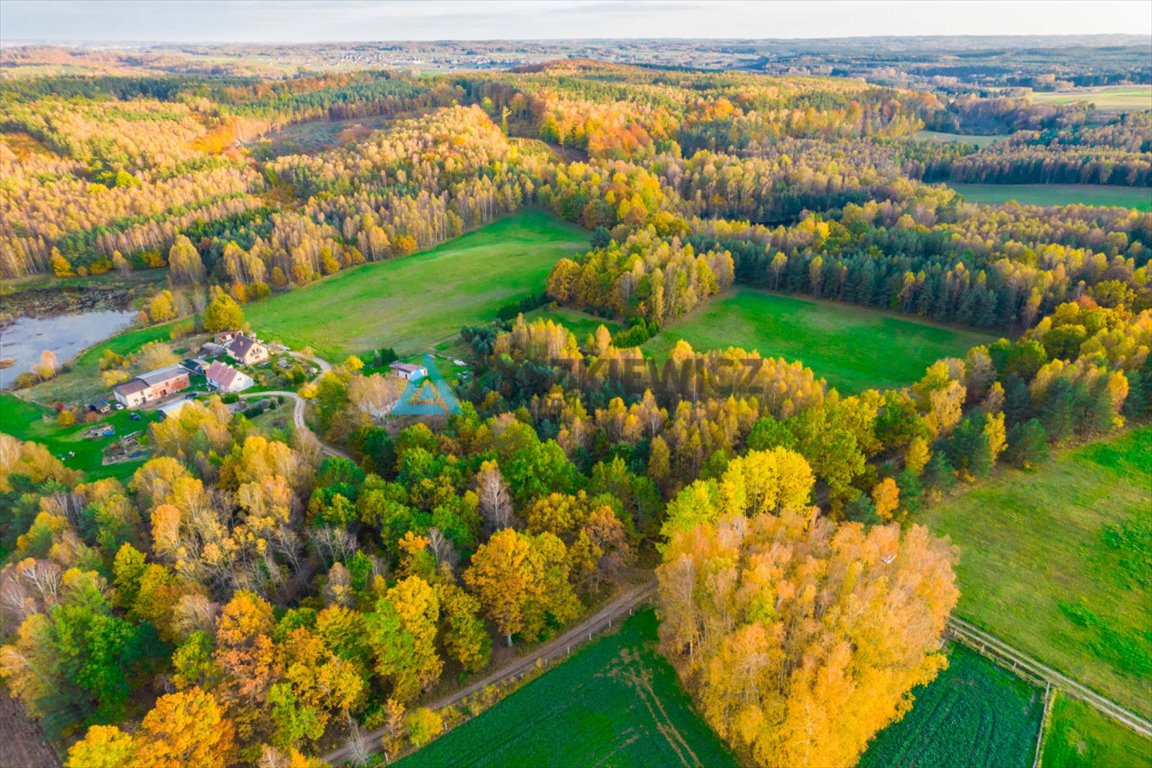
{"x":575,"y":383}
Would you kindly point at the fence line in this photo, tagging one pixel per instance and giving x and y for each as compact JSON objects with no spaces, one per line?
{"x":1009,"y":657}
{"x":1043,"y":724}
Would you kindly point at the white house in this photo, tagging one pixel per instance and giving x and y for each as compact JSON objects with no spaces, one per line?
{"x":247,"y":351}
{"x":409,"y":372}
{"x":225,"y":378}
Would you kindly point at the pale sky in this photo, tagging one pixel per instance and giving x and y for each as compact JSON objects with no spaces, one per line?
{"x":300,"y":21}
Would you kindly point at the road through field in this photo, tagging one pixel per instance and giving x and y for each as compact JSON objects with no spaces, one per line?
{"x":561,"y":646}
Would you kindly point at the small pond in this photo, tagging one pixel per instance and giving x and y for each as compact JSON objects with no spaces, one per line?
{"x":67,"y":335}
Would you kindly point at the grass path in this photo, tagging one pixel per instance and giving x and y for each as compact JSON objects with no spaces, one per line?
{"x":1055,"y":563}
{"x":414,"y":303}
{"x":853,"y":347}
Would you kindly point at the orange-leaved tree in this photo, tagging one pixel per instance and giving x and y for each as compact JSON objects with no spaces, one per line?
{"x":800,"y":638}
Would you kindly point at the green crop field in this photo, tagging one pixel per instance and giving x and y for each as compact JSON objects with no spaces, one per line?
{"x":854,"y":348}
{"x":414,"y":303}
{"x":1057,"y":563}
{"x":1109,"y":98}
{"x":617,"y":702}
{"x":1080,"y":737}
{"x":973,"y":715}
{"x":26,"y":421}
{"x":1101,"y":195}
{"x":980,"y":140}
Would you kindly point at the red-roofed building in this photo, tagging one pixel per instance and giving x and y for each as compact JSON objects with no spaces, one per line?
{"x":225,"y":378}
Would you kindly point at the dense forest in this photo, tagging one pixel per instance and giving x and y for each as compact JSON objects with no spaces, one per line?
{"x":245,"y":598}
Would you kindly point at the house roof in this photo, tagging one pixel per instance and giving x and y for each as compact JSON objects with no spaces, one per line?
{"x":173,"y":407}
{"x":131,"y":387}
{"x":241,"y":345}
{"x":408,"y":368}
{"x":161,"y":375}
{"x":221,"y":374}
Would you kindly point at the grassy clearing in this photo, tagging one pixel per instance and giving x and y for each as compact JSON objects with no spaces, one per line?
{"x":980,"y":140}
{"x":1109,"y":98}
{"x":581,"y":324}
{"x":973,"y":715}
{"x":854,"y":348}
{"x":414,"y":303}
{"x":27,"y":421}
{"x":1080,"y":737}
{"x":1056,"y":563}
{"x":618,"y":702}
{"x":1100,"y":195}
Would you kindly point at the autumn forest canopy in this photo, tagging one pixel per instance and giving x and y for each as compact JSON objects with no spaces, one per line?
{"x":254,"y":592}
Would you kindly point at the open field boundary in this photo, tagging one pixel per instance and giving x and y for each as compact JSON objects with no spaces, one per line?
{"x":997,"y":650}
{"x":556,"y":649}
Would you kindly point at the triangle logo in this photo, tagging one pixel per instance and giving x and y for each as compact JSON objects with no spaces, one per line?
{"x":428,"y":395}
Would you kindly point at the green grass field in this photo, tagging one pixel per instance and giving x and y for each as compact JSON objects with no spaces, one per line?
{"x":26,"y":421}
{"x":414,"y":303}
{"x":1101,"y":195}
{"x":1056,"y":562}
{"x":973,"y":715}
{"x":1080,"y":737}
{"x":1109,"y":98}
{"x":617,"y":702}
{"x":854,"y":348}
{"x":980,"y":140}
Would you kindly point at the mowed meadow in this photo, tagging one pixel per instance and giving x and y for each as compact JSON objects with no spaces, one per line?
{"x":1057,"y":563}
{"x":617,"y":703}
{"x":1100,"y":195}
{"x":852,"y":347}
{"x":414,"y":303}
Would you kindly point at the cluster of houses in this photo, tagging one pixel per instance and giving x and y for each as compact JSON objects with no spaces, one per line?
{"x":156,"y":385}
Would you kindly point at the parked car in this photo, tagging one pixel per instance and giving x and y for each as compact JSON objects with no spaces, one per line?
{"x":135,"y":416}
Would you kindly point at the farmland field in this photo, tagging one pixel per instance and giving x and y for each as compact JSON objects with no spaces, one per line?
{"x":980,"y":140}
{"x":973,"y":715}
{"x":1102,"y":195}
{"x":1113,"y":98}
{"x":416,"y":302}
{"x":615,"y":703}
{"x":1056,"y":563}
{"x":854,"y":348}
{"x":1080,"y":737}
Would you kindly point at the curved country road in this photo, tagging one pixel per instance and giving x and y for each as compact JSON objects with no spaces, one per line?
{"x":574,"y":637}
{"x":298,"y":405}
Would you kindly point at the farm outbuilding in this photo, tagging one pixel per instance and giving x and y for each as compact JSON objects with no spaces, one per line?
{"x":409,"y":371}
